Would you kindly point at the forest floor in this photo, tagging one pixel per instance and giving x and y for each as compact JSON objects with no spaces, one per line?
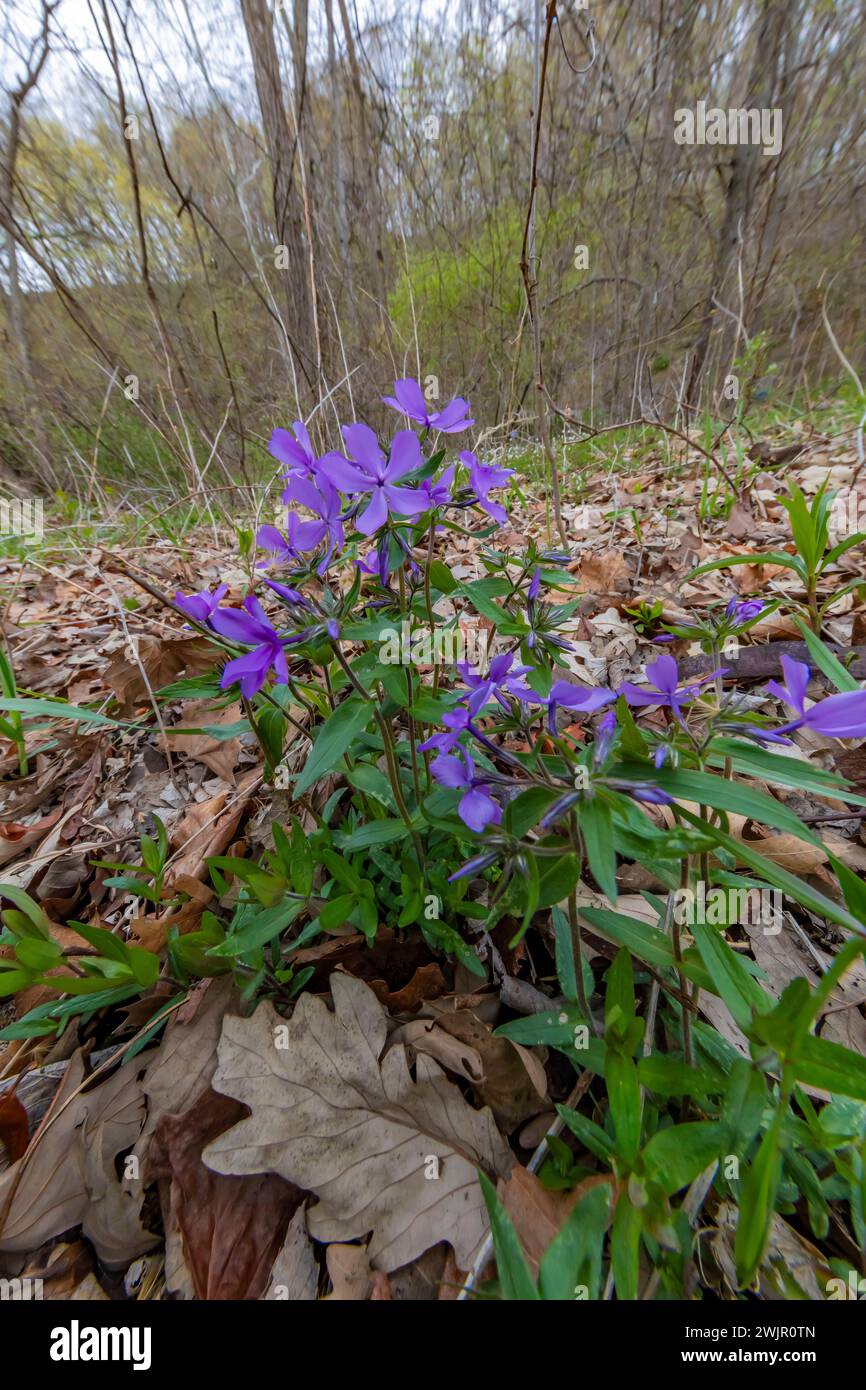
{"x":81,"y":628}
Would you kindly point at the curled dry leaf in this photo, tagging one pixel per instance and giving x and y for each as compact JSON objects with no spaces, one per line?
{"x":186,"y":1061}
{"x":159,"y":663}
{"x":605,"y":573}
{"x":231,"y":1229}
{"x":335,"y":1116}
{"x":220,"y":755}
{"x":513,"y":1081}
{"x":208,"y":827}
{"x":538,"y":1213}
{"x":350,"y":1273}
{"x":67,"y":1176}
{"x":792,"y":1268}
{"x":295,"y":1275}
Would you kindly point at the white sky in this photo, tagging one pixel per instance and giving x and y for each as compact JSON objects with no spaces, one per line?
{"x":165,"y":44}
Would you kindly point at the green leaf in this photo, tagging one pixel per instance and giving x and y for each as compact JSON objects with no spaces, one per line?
{"x":551,"y":1026}
{"x":805,"y":525}
{"x":58,"y":709}
{"x":36,"y":954}
{"x":479,"y":592}
{"x":709,"y":790}
{"x":675,"y":1156}
{"x":824,"y":659}
{"x":377,"y":832}
{"x":841,"y":549}
{"x":556,"y":879}
{"x":515,"y":1277}
{"x":36,"y":922}
{"x":336,"y":911}
{"x":565,"y":964}
{"x":333,"y":740}
{"x":623,"y":1091}
{"x":441,"y":578}
{"x":373,"y":782}
{"x":341,"y":870}
{"x":625,"y":1249}
{"x":796,"y":888}
{"x":781,"y":769}
{"x":597,"y":830}
{"x":740,"y":992}
{"x":757,"y":1202}
{"x":668,"y":1076}
{"x":772,"y":557}
{"x":104,"y":941}
{"x":257,"y":933}
{"x":576,"y":1247}
{"x":13,"y":980}
{"x":830,"y":1066}
{"x":532,"y":892}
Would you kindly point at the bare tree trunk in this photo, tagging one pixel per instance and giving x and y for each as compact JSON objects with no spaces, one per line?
{"x":529,"y":255}
{"x":745,"y":173}
{"x":370,"y":195}
{"x":339,"y":170}
{"x":17,"y":322}
{"x":288,"y":215}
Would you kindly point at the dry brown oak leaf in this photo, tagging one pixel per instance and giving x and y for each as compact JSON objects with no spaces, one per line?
{"x":333,"y":1115}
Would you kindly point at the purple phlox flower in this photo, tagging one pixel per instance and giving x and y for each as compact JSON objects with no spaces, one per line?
{"x":409,"y":399}
{"x":604,"y":737}
{"x":534,"y":586}
{"x":456,"y":721}
{"x":365,"y":565}
{"x":837,"y":716}
{"x":300,"y":536}
{"x":661,"y":755}
{"x":642,"y":791}
{"x":439,"y":491}
{"x":251,"y":627}
{"x":293,"y":596}
{"x":583,"y":698}
{"x":477,"y":808}
{"x":756,"y":732}
{"x":744,"y":610}
{"x":665,"y":637}
{"x":200,"y":606}
{"x":500,"y":682}
{"x":664,"y":688}
{"x":293,"y":448}
{"x":558,"y":809}
{"x":324,"y":501}
{"x":477,"y":865}
{"x":793,"y":692}
{"x":371,"y":472}
{"x":482,"y":479}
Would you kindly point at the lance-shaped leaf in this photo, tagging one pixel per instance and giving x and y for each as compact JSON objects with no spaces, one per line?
{"x":333,"y":1115}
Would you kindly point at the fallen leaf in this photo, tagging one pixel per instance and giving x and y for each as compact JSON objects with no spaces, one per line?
{"x":67,"y":1176}
{"x":513,"y":1083}
{"x":428,"y":982}
{"x":334,"y":1116}
{"x":16,"y":838}
{"x":162,"y":662}
{"x":350,"y":1273}
{"x":14,"y":1127}
{"x":538,"y":1213}
{"x":606,"y":572}
{"x":231,"y":1228}
{"x":220,"y":755}
{"x":295,"y":1274}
